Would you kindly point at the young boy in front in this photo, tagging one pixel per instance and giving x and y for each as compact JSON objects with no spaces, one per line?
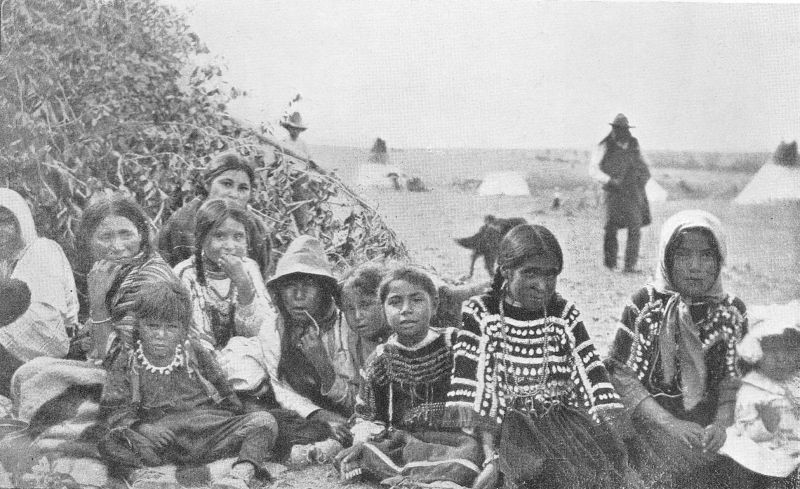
{"x":167,"y":401}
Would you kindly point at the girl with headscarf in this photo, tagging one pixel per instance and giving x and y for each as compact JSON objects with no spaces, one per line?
{"x":42,"y":329}
{"x":527,"y":378}
{"x":674,"y":359}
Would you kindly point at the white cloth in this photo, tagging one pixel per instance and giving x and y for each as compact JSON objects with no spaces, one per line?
{"x":42,"y":265}
{"x":749,"y":443}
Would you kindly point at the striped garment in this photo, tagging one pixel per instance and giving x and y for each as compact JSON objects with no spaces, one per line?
{"x":574,"y":374}
{"x":406,"y":386}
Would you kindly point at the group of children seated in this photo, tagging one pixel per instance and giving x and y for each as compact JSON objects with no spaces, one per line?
{"x":211,"y":359}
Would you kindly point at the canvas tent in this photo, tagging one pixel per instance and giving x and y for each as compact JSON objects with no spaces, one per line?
{"x":777,"y":180}
{"x":504,"y":183}
{"x":377,"y":175}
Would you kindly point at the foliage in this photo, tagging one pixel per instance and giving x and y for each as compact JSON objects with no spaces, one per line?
{"x":98,"y":96}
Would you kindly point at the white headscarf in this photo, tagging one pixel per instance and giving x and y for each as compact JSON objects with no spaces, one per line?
{"x":677,"y":315}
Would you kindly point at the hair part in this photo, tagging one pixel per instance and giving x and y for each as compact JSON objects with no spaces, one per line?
{"x":165,"y":300}
{"x":412,"y":275}
{"x":226,"y":162}
{"x":93,"y":215}
{"x":211,"y":215}
{"x":521,"y":243}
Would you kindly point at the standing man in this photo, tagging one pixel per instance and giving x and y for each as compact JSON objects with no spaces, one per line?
{"x":294,"y":126}
{"x":618,"y":165}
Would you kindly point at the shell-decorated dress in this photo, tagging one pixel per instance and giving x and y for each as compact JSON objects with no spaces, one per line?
{"x":508,"y":356}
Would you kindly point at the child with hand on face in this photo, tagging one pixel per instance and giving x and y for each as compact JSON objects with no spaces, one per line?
{"x":765,"y":437}
{"x":168,"y":401}
{"x":399,"y":409}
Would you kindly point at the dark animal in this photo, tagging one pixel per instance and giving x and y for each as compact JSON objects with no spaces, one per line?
{"x":486,"y":241}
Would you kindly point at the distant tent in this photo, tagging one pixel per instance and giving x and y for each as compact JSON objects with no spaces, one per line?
{"x":504,"y":183}
{"x":777,"y":180}
{"x":378,"y":152}
{"x":655,"y":192}
{"x":372,"y":175}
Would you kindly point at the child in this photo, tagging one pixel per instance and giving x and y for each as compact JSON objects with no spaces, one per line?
{"x":167,"y":401}
{"x":404,"y":391}
{"x":765,"y":437}
{"x":15,"y":299}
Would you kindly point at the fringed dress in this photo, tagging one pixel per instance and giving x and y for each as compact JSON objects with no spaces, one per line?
{"x":536,"y":381}
{"x":404,"y":391}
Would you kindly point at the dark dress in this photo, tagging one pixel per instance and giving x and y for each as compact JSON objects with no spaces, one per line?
{"x":536,"y":380}
{"x":635,"y":362}
{"x":405,"y":390}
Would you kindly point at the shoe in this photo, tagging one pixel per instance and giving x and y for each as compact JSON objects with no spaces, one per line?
{"x":632,"y":270}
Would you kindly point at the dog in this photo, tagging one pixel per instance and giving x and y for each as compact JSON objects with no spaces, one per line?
{"x":486,"y":242}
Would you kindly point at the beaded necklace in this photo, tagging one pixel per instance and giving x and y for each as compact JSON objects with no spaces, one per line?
{"x":177,"y":360}
{"x":540,"y":379}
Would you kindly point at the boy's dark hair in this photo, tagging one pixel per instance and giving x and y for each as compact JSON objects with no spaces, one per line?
{"x":166,"y":300}
{"x":15,"y":299}
{"x":412,"y":275}
{"x":364,"y":279}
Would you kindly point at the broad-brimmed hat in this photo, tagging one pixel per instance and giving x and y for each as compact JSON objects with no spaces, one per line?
{"x":620,"y":121}
{"x":295,"y":121}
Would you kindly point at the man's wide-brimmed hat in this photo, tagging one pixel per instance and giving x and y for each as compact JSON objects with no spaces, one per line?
{"x":620,"y":121}
{"x":295,"y":120}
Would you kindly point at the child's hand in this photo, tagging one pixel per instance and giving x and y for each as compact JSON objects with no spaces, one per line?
{"x":233,"y":266}
{"x":161,"y":437}
{"x":770,"y":416}
{"x":713,"y":438}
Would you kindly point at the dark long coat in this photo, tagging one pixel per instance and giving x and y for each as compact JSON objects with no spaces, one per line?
{"x":626,"y":204}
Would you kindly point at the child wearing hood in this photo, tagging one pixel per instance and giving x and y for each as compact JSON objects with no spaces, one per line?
{"x":765,"y":436}
{"x":674,"y":360}
{"x":42,"y":328}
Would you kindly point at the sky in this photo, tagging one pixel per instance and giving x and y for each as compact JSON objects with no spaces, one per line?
{"x":513,"y":74}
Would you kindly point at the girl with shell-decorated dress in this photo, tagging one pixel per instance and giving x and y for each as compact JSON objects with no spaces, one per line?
{"x":674,"y":360}
{"x":528,"y":380}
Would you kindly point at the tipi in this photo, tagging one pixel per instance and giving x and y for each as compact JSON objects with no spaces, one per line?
{"x":504,"y":183}
{"x":778,"y":179}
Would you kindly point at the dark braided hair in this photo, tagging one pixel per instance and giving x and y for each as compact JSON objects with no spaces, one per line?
{"x":521,"y":243}
{"x":212,"y":214}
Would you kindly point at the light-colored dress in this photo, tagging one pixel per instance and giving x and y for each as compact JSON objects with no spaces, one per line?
{"x":749,"y":442}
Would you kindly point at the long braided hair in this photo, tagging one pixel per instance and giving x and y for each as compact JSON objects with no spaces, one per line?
{"x":211,"y":215}
{"x":521,"y":243}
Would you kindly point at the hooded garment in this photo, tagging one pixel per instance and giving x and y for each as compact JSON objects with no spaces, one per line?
{"x":677,"y":315}
{"x":680,"y":350}
{"x":42,"y":265}
{"x":306,"y":255}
